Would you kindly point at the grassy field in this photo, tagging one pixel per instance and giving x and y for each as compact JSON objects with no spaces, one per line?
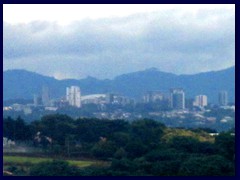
{"x":21,"y":160}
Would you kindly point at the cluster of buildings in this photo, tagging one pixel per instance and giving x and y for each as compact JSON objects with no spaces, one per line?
{"x":175,"y":99}
{"x":73,"y":98}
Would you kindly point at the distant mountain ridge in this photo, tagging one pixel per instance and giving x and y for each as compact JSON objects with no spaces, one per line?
{"x":24,"y":84}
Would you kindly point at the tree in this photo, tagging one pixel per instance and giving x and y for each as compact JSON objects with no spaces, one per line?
{"x":185,"y":144}
{"x":135,"y":149}
{"x":22,"y":131}
{"x":104,"y":149}
{"x":120,"y":153}
{"x":148,"y":131}
{"x":207,"y":166}
{"x":8,"y":128}
{"x":54,"y":168}
{"x":121,"y":138}
{"x":16,"y":129}
{"x":225,"y":143}
{"x":57,"y":127}
{"x":165,"y":168}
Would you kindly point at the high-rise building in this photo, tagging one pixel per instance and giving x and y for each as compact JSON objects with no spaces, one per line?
{"x":153,"y":96}
{"x":73,"y":96}
{"x":110,"y":98}
{"x":223,"y":98}
{"x":67,"y":94}
{"x":157,"y":96}
{"x":177,"y":98}
{"x":147,"y":98}
{"x":36,"y":100}
{"x":45,"y":96}
{"x":200,"y":101}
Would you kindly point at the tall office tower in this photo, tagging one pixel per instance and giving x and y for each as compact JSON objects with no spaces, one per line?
{"x":157,"y":96}
{"x":110,"y":98}
{"x":147,"y":98}
{"x":152,"y":96}
{"x":36,"y":100}
{"x":200,"y":101}
{"x":177,"y":98}
{"x":223,"y":98}
{"x":73,"y":96}
{"x":68,"y":94}
{"x":45,"y":96}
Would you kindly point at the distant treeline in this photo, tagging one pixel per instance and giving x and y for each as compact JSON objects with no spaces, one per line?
{"x":189,"y":120}
{"x":142,"y":147}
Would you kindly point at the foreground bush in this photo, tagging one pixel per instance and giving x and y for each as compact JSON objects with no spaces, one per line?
{"x":54,"y":168}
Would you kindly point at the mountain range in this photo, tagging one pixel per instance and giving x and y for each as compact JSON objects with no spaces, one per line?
{"x":24,"y":84}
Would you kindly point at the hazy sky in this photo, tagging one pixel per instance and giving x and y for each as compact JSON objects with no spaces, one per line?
{"x":75,"y":41}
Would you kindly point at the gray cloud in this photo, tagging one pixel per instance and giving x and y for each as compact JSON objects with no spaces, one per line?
{"x":172,"y":41}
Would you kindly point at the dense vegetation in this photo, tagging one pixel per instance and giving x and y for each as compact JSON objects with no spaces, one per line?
{"x":143,"y":147}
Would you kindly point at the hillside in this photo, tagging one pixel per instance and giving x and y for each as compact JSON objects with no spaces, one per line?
{"x":23,"y":84}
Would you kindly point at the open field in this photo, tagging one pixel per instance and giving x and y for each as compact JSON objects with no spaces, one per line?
{"x":21,"y":160}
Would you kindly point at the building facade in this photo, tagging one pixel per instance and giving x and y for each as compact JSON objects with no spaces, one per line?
{"x":45,"y":96}
{"x":73,"y":96}
{"x":37,"y":100}
{"x":177,"y":98}
{"x":200,"y":101}
{"x":223,"y":98}
{"x":109,"y":98}
{"x":153,"y":96}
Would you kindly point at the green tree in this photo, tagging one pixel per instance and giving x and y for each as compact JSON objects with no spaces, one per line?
{"x":57,"y":127}
{"x":148,"y":131}
{"x":54,"y":168}
{"x":225,"y":143}
{"x":207,"y":166}
{"x":22,"y":131}
{"x":135,"y":149}
{"x":104,"y":149}
{"x":9,"y":128}
{"x":120,"y":153}
{"x":185,"y":144}
{"x":16,"y":129}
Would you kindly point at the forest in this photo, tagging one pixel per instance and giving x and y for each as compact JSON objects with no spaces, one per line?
{"x":139,"y":148}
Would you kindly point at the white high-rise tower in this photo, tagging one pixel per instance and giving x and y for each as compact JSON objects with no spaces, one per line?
{"x":73,"y":96}
{"x":200,"y":101}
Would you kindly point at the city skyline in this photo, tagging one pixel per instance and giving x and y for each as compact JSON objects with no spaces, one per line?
{"x":175,"y":97}
{"x":132,"y":85}
{"x":119,"y":90}
{"x":171,"y":38}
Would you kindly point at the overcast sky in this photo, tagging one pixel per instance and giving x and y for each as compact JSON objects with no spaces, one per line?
{"x":103,"y":41}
